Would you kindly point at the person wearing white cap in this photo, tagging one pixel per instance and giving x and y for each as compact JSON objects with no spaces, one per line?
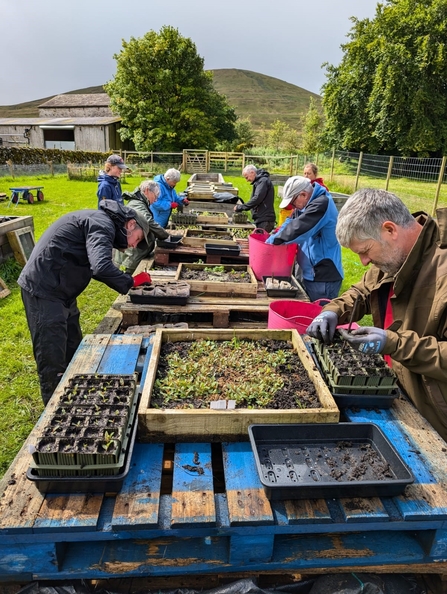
{"x":109,"y":187}
{"x":312,"y":227}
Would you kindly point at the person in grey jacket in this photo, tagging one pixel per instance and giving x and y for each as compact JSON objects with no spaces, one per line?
{"x":72,"y":251}
{"x":140,"y":200}
{"x":261,"y":200}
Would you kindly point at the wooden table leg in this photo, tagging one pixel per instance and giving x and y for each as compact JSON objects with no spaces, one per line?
{"x":130,"y":319}
{"x":221,"y":319}
{"x":161,"y":259}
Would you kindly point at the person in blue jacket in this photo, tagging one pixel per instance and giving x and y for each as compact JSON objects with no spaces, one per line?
{"x":168,"y":198}
{"x":312,"y":227}
{"x":109,"y":187}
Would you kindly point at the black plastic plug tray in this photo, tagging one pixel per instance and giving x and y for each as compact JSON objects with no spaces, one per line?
{"x":215,"y":249}
{"x":170,"y":243}
{"x":325,"y":460}
{"x":144,"y":295}
{"x":110,"y":484}
{"x":282,"y":293}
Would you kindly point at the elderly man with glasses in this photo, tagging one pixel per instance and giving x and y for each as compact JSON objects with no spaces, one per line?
{"x":141,"y":200}
{"x":312,"y":227}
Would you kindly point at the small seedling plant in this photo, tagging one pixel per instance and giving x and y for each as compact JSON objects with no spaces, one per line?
{"x":256,"y":374}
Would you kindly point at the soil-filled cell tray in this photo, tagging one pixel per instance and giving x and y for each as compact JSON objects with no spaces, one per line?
{"x":312,"y":461}
{"x":109,"y":484}
{"x":214,"y":249}
{"x":281,"y":287}
{"x":167,"y":293}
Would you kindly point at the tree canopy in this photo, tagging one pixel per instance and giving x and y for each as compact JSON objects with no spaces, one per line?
{"x":164,"y":97}
{"x":389,"y":93}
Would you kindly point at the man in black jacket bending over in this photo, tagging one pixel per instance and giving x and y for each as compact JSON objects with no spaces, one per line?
{"x":261,"y":200}
{"x":75,"y":249}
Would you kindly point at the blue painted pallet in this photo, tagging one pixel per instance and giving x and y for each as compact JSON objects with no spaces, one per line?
{"x":203,"y":510}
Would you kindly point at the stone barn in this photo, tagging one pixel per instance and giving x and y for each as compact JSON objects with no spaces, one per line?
{"x":72,"y":122}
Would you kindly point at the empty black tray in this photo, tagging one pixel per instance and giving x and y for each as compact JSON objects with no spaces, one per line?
{"x":282,"y":293}
{"x":321,"y":460}
{"x":143,"y":296}
{"x":170,"y":243}
{"x":215,"y":249}
{"x":86,"y":484}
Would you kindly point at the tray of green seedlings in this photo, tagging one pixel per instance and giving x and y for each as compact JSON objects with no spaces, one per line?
{"x":354,"y":378}
{"x":183,"y":218}
{"x":89,"y":432}
{"x":240,"y":218}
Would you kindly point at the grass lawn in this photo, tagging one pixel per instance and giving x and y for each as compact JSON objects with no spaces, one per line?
{"x":20,"y":399}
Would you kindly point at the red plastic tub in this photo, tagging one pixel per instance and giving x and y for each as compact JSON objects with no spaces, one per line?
{"x":292,"y":314}
{"x":269,"y":260}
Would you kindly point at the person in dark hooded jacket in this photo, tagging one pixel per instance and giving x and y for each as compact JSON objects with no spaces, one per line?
{"x":109,"y":187}
{"x":261,"y":200}
{"x":72,"y":251}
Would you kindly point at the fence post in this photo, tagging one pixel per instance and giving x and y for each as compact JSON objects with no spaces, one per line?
{"x":50,"y":165}
{"x":11,"y":168}
{"x":243,"y":161}
{"x":332,"y":163}
{"x":184,"y":161}
{"x":438,"y":187}
{"x":291,"y":166}
{"x":359,"y":166}
{"x":390,"y":169}
{"x":226,"y":161}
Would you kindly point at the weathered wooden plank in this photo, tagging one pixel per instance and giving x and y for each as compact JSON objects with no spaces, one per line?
{"x":69,"y":512}
{"x":307,"y":511}
{"x":22,"y":560}
{"x":121,"y":355}
{"x":368,"y":509}
{"x":110,"y":322}
{"x":137,"y":503}
{"x":192,"y":488}
{"x":247,"y":502}
{"x":252,"y":548}
{"x":421,"y":448}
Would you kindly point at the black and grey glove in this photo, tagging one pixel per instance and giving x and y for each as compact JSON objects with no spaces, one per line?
{"x":367,"y":339}
{"x":323,"y":326}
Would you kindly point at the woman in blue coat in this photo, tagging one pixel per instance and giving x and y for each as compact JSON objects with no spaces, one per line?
{"x":168,"y":198}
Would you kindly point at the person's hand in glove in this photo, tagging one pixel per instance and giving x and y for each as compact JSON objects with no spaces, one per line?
{"x":142,"y":279}
{"x":323,"y":326}
{"x":185,"y":201}
{"x":367,"y":339}
{"x":174,"y":204}
{"x":238,"y":208}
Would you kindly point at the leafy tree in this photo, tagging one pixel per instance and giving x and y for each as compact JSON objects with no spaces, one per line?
{"x":165,"y":98}
{"x":276,"y":134}
{"x":312,"y":128}
{"x":389,"y":93}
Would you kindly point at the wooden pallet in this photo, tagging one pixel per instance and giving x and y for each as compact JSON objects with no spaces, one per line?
{"x":170,"y":521}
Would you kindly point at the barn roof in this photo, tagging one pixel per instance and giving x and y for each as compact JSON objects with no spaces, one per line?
{"x":92,"y":121}
{"x":78,"y":100}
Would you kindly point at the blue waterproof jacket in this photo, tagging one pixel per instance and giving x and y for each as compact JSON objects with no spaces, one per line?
{"x":313,"y":229}
{"x":161,"y":209}
{"x":109,"y":188}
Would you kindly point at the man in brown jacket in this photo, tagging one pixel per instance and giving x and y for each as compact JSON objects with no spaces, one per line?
{"x":405,"y":290}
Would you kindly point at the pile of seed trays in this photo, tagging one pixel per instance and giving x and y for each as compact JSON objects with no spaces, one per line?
{"x":92,"y":431}
{"x":181,"y":218}
{"x":354,"y":378}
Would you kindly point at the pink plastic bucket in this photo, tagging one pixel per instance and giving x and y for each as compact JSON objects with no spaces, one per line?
{"x":269,"y":260}
{"x":292,"y":314}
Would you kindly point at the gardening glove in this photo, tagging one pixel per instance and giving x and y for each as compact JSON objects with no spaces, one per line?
{"x":323,"y":326}
{"x":185,"y":201}
{"x":174,"y":204}
{"x":238,"y":208}
{"x":367,"y":339}
{"x":142,"y":279}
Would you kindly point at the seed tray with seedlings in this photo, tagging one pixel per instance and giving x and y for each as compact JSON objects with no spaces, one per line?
{"x":181,"y":218}
{"x":240,"y":218}
{"x":89,"y":431}
{"x":220,"y":280}
{"x":349,"y":371}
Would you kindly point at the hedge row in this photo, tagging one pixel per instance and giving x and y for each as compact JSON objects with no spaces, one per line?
{"x":35,"y":156}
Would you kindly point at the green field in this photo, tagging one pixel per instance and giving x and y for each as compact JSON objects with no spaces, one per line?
{"x":19,"y":390}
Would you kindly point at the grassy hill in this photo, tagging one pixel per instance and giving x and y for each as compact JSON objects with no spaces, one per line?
{"x":262,"y":98}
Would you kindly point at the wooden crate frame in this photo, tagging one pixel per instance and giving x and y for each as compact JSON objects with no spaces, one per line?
{"x":189,"y":238}
{"x":213,"y":220}
{"x":171,"y":425}
{"x":19,"y":247}
{"x":4,"y":291}
{"x":221,"y":289}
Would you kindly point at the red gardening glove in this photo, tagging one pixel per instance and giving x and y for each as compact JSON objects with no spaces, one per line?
{"x":185,"y":201}
{"x":174,"y":204}
{"x":142,"y":279}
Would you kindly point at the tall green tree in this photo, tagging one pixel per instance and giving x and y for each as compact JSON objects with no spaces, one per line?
{"x":389,"y":93}
{"x":164,"y":97}
{"x":312,"y":129}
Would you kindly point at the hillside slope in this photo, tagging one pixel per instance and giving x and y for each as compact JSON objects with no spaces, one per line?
{"x":262,"y":98}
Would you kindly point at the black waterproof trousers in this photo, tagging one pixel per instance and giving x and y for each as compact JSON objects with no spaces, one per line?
{"x":55,"y":334}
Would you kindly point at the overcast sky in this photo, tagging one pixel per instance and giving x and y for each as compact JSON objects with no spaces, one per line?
{"x":55,"y":46}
